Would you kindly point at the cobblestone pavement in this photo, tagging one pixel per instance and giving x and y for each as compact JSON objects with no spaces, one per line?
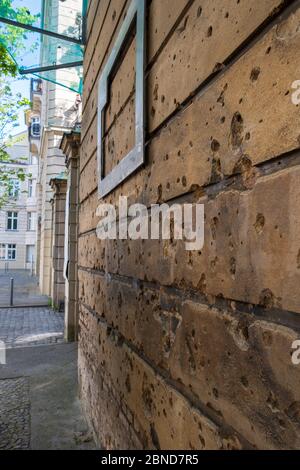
{"x":28,"y":326}
{"x":15,"y":414}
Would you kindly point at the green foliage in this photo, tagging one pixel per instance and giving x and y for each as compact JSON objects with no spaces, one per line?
{"x":12,"y":40}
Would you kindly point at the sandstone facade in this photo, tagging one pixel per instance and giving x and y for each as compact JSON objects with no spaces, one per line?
{"x":192,"y":350}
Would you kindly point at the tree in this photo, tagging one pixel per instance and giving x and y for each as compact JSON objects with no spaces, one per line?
{"x":11,"y":39}
{"x":10,"y":106}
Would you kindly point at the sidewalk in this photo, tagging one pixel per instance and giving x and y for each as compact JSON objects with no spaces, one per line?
{"x":39,"y":401}
{"x":30,"y":326}
{"x":26,"y":289}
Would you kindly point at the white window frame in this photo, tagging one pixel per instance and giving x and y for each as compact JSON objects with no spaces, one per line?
{"x":32,"y":254}
{"x":31,"y":221}
{"x":10,"y":219}
{"x":30,"y":187}
{"x":136,"y":157}
{"x":15,"y":189}
{"x":6,"y":251}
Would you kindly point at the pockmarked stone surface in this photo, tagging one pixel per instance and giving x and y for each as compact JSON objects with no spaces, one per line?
{"x":14,"y":414}
{"x":21,"y":327}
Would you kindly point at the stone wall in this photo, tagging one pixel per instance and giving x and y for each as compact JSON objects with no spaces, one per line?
{"x":192,"y":350}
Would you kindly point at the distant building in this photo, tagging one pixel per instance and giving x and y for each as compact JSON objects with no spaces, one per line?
{"x":18,"y":218}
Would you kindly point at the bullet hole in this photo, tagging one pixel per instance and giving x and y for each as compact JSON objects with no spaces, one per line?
{"x":237,"y":127}
{"x":244,"y":382}
{"x":202,"y":441}
{"x":202,"y":284}
{"x":184,"y":181}
{"x":213,"y":226}
{"x":215,"y":146}
{"x":127,"y":384}
{"x":227,"y":15}
{"x":159,"y":192}
{"x":293,"y":411}
{"x":192,"y":362}
{"x":223,"y":119}
{"x":216,"y":171}
{"x":120,"y":301}
{"x":163,"y":98}
{"x":273,"y":403}
{"x":209,"y":32}
{"x":221,"y":97}
{"x":215,"y":393}
{"x":213,"y":263}
{"x":267,"y":338}
{"x":154,"y":437}
{"x":153,"y":111}
{"x":232,"y":266}
{"x":243,"y":165}
{"x":254,"y":74}
{"x":268,"y":50}
{"x":260,"y":223}
{"x":218,"y":66}
{"x":247,"y":136}
{"x":267,"y":299}
{"x":298,"y":260}
{"x":155,"y":92}
{"x":199,"y":12}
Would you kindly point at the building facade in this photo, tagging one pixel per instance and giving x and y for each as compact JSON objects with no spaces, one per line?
{"x":57,"y":113}
{"x":192,"y":349}
{"x":19,"y":215}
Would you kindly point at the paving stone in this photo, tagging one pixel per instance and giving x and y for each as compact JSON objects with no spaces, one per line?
{"x":30,"y":326}
{"x":15,"y":414}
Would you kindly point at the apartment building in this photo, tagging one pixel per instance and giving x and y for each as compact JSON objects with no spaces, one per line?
{"x":18,"y":218}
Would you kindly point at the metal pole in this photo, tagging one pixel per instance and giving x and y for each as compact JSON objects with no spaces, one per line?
{"x":32,"y":265}
{"x":39,"y":30}
{"x":50,"y":67}
{"x":11,"y":291}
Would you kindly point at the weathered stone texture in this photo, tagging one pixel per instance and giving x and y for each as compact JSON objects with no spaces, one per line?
{"x":180,"y":349}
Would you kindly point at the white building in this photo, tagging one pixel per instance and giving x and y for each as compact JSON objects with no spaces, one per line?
{"x":19,"y":216}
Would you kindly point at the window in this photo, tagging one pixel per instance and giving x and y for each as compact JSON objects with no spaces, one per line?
{"x":136,"y":157}
{"x":30,"y":251}
{"x":2,"y":251}
{"x":12,"y":221}
{"x":35,"y":126}
{"x":31,"y":188}
{"x":11,"y":252}
{"x":8,"y":252}
{"x":14,"y":189}
{"x":31,"y":224}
